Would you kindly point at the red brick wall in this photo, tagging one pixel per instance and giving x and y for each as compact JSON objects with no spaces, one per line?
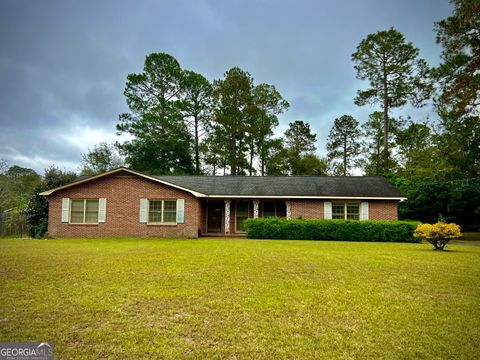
{"x":306,"y":209}
{"x":313,"y":209}
{"x":383,"y":210}
{"x":123,"y":194}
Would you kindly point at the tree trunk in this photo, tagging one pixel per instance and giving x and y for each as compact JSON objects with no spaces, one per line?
{"x":345,"y":156}
{"x":386,"y":122}
{"x":252,"y":149}
{"x":233,"y":154}
{"x":197,"y":154}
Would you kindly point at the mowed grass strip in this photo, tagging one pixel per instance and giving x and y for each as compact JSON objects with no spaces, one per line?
{"x":238,"y":298}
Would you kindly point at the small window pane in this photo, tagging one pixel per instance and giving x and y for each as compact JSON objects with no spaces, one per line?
{"x":353,"y":211}
{"x":170,"y":206}
{"x":169,"y":211}
{"x":338,"y":211}
{"x":155,"y":217}
{"x":155,"y":211}
{"x":91,"y":215}
{"x":169,"y":217}
{"x":155,"y":205}
{"x":76,"y":213}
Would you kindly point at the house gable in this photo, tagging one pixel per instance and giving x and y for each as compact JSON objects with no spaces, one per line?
{"x":122,"y":193}
{"x":120,"y":172}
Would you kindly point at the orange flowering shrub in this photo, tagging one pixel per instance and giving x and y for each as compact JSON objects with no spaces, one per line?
{"x":438,"y":234}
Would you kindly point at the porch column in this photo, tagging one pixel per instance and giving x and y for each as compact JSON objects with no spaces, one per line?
{"x":289,"y":209}
{"x":227,"y":216}
{"x":255,"y":208}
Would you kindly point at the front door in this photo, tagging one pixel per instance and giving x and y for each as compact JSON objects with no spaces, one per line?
{"x":214,"y":219}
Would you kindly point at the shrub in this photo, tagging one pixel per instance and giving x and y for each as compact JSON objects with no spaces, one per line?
{"x":348,"y":230}
{"x":438,"y":234}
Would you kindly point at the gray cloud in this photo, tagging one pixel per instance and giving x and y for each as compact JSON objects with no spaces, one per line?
{"x":63,"y":63}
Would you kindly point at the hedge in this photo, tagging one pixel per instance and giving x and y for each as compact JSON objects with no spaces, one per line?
{"x":348,"y":230}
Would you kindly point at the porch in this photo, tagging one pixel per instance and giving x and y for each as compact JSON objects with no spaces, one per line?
{"x":225,"y":217}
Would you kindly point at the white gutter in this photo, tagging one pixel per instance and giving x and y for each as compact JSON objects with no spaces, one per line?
{"x":304,"y":197}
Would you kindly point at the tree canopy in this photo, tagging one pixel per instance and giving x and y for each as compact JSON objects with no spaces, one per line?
{"x":161,"y":142}
{"x":396,"y":76}
{"x":101,"y":158}
{"x":343,"y":143}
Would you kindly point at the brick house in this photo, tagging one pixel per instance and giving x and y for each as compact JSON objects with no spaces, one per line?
{"x":123,"y":202}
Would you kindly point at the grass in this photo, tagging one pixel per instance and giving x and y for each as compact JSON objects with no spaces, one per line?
{"x":471,"y":236}
{"x":241,"y":299}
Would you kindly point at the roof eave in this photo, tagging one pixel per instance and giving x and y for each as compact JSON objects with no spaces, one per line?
{"x":306,"y":197}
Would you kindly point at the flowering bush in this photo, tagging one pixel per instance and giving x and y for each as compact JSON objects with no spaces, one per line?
{"x":438,"y":234}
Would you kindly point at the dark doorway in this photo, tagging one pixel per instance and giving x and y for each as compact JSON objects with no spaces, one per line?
{"x":214,"y":217}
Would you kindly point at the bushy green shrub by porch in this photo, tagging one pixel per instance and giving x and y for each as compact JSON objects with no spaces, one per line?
{"x":348,"y":230}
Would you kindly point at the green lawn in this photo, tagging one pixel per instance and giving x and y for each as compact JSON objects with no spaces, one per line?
{"x":241,"y":299}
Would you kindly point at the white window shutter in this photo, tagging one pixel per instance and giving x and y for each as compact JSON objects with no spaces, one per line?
{"x":102,"y":210}
{"x":364,"y":211}
{"x":180,"y":211}
{"x":65,"y":209}
{"x":143,"y":210}
{"x":327,"y":210}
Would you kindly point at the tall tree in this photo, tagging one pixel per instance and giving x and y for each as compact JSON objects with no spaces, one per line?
{"x":396,"y":75}
{"x":460,"y":145}
{"x":372,"y":160}
{"x":214,"y":150}
{"x":101,"y":158}
{"x":197,"y":108}
{"x":459,"y":73}
{"x":161,"y":142}
{"x":418,"y":153}
{"x":233,"y":96}
{"x":16,"y":186}
{"x":277,"y":159}
{"x":268,"y":105}
{"x":312,"y":164}
{"x":299,"y":141}
{"x":343,"y":142}
{"x":458,"y":102}
{"x":4,"y":186}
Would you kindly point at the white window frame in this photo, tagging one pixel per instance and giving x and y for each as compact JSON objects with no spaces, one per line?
{"x":162,"y":212}
{"x":84,"y":212}
{"x":345,"y":213}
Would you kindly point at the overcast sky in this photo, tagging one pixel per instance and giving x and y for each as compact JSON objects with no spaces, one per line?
{"x":63,"y":64}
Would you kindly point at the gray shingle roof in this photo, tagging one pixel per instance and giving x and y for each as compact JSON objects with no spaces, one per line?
{"x":342,"y":186}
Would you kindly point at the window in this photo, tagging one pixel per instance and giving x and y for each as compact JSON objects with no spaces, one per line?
{"x":162,"y":211}
{"x":84,"y":211}
{"x":346,"y":211}
{"x":269,"y":209}
{"x":242,"y":214}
